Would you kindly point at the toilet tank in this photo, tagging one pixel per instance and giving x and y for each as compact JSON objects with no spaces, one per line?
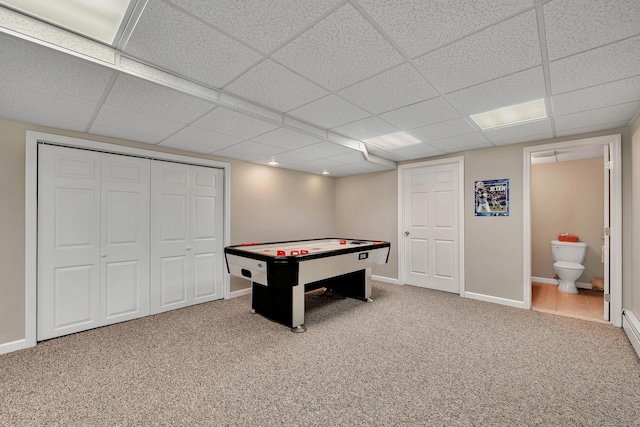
{"x":568,"y":251}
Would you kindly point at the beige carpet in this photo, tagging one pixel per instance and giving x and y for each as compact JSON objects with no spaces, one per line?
{"x":414,"y":357}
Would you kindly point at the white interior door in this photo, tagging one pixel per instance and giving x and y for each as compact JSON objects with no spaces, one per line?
{"x":187,"y":229}
{"x":207,"y":228}
{"x":68,"y":241}
{"x":432,"y":227}
{"x":606,"y":251}
{"x":125,"y":238}
{"x":93,"y":211}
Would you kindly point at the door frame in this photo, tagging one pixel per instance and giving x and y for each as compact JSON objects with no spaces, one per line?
{"x":615,"y":195}
{"x":401,"y":211}
{"x":33,"y":138}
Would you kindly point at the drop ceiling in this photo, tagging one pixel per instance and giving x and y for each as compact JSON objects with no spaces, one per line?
{"x":305,"y":82}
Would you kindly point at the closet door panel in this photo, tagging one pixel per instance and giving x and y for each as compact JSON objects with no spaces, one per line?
{"x":125,"y":237}
{"x":68,"y":241}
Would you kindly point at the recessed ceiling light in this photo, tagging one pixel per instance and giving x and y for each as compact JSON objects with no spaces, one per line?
{"x":326,"y":172}
{"x":392,"y":140}
{"x":99,"y":20}
{"x":273,"y":163}
{"x":512,"y":115}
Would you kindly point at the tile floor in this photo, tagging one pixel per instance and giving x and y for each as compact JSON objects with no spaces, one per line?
{"x":586,"y":304}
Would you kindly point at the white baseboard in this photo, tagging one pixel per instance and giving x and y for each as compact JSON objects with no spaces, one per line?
{"x":384,"y":279}
{"x":496,"y":300}
{"x":581,"y":285}
{"x":13,"y":346}
{"x":631,"y":326}
{"x":239,"y":293}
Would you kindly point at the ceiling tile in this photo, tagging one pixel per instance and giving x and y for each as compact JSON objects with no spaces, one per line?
{"x":41,"y":102}
{"x":419,"y":26}
{"x":199,"y":140}
{"x":288,"y":158}
{"x":366,"y":128}
{"x":135,"y":94}
{"x":619,"y":92}
{"x":612,"y":62}
{"x":272,"y":85}
{"x":441,"y":130}
{"x":43,"y":119}
{"x":417,"y":151}
{"x":503,"y":49}
{"x":248,"y":151}
{"x":263,"y":24}
{"x":572,"y":26}
{"x":233,"y":123}
{"x":389,"y":90}
{"x":421,"y":114}
{"x":340,"y":50}
{"x":329,"y":112}
{"x":386,"y":154}
{"x":591,"y":128}
{"x":119,"y":132}
{"x":286,"y":139}
{"x":178,"y":42}
{"x":346,"y":170}
{"x":325,"y":149}
{"x":509,"y":90}
{"x":469,"y":141}
{"x":33,"y":65}
{"x":132,"y":121}
{"x":539,"y":129}
{"x":616,"y":113}
{"x":354,"y":156}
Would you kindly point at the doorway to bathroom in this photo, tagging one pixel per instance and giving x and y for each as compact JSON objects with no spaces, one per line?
{"x":596,"y":205}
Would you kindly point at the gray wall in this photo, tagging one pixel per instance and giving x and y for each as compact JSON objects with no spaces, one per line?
{"x":567,"y":197}
{"x":633,"y":302}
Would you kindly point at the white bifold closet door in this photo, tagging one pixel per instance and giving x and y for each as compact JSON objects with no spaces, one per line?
{"x":93,"y":242}
{"x":186,"y":235}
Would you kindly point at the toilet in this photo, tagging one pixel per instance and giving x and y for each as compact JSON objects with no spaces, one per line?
{"x":567,"y":263}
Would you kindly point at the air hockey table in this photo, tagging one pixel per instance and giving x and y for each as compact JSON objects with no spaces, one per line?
{"x":281,"y":272}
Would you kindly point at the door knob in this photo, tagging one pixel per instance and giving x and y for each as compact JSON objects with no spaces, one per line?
{"x":406,"y":233}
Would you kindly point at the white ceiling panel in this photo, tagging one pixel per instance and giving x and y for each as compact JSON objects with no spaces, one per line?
{"x":447,"y":20}
{"x":199,"y":140}
{"x":43,"y":102}
{"x":43,"y":119}
{"x":286,"y":139}
{"x":470,"y":141}
{"x":329,"y":112}
{"x":619,"y":92}
{"x":572,"y":26}
{"x":503,"y":49}
{"x":605,"y":64}
{"x":385,"y":154}
{"x":167,"y":37}
{"x":417,"y":151}
{"x":353,"y":156}
{"x":135,"y":94}
{"x":288,"y":158}
{"x":600,"y":116}
{"x":540,"y":129}
{"x":120,"y":132}
{"x":513,"y":89}
{"x":366,"y":128}
{"x":325,"y":149}
{"x":346,"y":170}
{"x":421,"y":114}
{"x":132,"y":121}
{"x":441,"y":130}
{"x":249,"y":151}
{"x":591,"y":128}
{"x":233,"y":123}
{"x":389,"y":90}
{"x":263,"y":24}
{"x":32,"y":65}
{"x":273,"y":85}
{"x":340,"y":50}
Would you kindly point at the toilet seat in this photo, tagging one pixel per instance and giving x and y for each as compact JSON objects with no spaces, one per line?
{"x":568,"y":265}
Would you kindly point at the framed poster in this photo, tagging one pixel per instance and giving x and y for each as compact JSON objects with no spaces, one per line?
{"x":492,"y":197}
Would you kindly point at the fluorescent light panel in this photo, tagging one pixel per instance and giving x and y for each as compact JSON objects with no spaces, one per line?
{"x":514,"y":114}
{"x":96,"y":19}
{"x":392,"y":140}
